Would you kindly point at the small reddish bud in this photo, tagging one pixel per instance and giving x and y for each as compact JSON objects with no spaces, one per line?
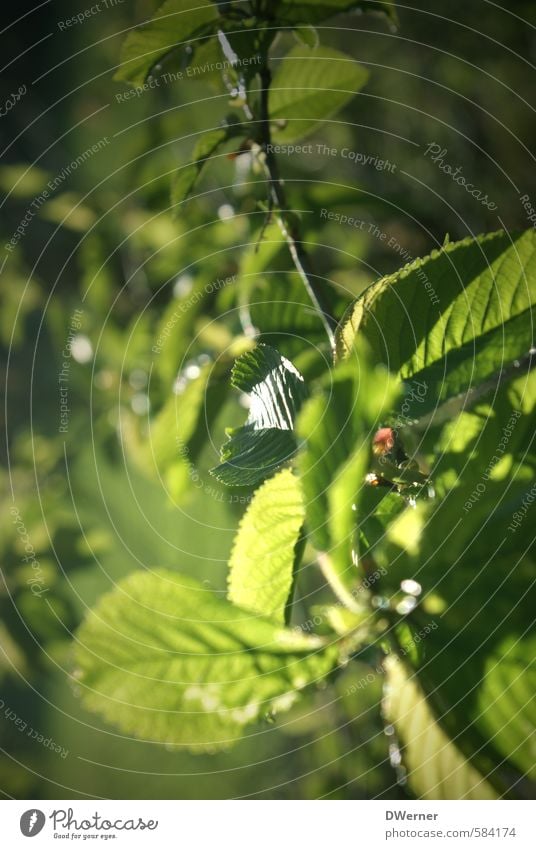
{"x":384,"y":441}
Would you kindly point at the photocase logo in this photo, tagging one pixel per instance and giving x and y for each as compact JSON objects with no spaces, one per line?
{"x":31,"y":822}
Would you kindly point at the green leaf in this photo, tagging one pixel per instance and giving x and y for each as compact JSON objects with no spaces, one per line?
{"x":176,"y":22}
{"x":205,"y":149}
{"x":173,"y":335}
{"x":314,"y":11}
{"x":253,"y":454}
{"x":205,"y":64}
{"x":267,"y":440}
{"x":507,"y":704}
{"x":181,"y":428}
{"x":165,"y":659}
{"x":276,"y":388}
{"x":475,"y":562}
{"x":478,"y":671}
{"x":436,"y":768}
{"x":274,"y":302}
{"x":264,"y":553}
{"x":177,"y":421}
{"x":379,"y":508}
{"x":307,"y":35}
{"x":309,"y":87}
{"x":451,"y":320}
{"x":281,"y":312}
{"x":337,"y":427}
{"x":484,"y":462}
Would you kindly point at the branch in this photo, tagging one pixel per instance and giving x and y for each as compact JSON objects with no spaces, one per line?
{"x":344,"y":595}
{"x":288,"y":225}
{"x":463,"y":402}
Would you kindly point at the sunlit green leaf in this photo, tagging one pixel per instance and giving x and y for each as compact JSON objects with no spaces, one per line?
{"x":507,"y":704}
{"x":264,"y":553}
{"x":307,"y":35}
{"x":165,"y":659}
{"x":474,"y":556}
{"x":436,"y":768}
{"x":337,"y":427}
{"x":453,"y":319}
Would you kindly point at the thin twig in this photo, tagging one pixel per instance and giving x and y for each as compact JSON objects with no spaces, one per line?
{"x":463,"y":402}
{"x":288,"y":226}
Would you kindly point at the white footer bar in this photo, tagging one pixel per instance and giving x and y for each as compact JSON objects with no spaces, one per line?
{"x":268,"y":824}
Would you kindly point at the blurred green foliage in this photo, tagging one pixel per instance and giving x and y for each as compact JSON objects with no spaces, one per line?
{"x":94,"y":502}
